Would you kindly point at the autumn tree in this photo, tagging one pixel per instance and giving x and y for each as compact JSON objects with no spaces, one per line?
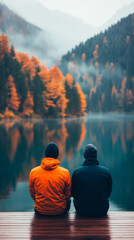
{"x":54,"y":97}
{"x":13,"y":101}
{"x":4,"y":46}
{"x":28,"y":105}
{"x":26,"y":85}
{"x":82,"y":99}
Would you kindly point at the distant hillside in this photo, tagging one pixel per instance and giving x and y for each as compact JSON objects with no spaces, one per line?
{"x":104,"y":66}
{"x":10,"y":23}
{"x":23,"y":35}
{"x":121,"y":13}
{"x":66,"y":30}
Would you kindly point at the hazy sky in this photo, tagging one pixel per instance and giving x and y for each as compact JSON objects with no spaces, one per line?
{"x":95,"y":12}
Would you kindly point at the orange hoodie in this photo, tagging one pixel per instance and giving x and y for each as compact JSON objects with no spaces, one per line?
{"x":50,"y":187}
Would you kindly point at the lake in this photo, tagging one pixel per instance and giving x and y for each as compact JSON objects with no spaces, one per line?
{"x":22,"y":145}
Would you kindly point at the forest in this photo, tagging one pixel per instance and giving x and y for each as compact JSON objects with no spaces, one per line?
{"x":28,"y":89}
{"x":104,"y":67}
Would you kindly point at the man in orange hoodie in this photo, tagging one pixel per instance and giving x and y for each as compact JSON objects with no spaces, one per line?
{"x":50,"y":184}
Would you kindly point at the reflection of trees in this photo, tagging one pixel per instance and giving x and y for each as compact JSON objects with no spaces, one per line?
{"x":13,"y":140}
{"x":22,"y":144}
{"x":115,"y":150}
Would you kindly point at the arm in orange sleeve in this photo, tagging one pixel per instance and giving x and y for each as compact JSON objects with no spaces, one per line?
{"x":68,"y":186}
{"x":31,"y":186}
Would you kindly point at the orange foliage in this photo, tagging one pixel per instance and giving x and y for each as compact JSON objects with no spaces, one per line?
{"x":13,"y":101}
{"x":129,"y":96}
{"x":62,"y":104}
{"x":96,"y":64}
{"x":4,"y":45}
{"x":28,"y":64}
{"x":111,"y":64}
{"x":83,"y":57}
{"x":82,"y":98}
{"x":44,"y":75}
{"x":54,"y":93}
{"x":95,"y":52}
{"x":28,"y":105}
{"x":8,"y":124}
{"x":35,"y":61}
{"x":69,"y":80}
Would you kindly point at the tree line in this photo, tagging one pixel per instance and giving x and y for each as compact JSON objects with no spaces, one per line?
{"x":104,"y":67}
{"x":29,"y":89}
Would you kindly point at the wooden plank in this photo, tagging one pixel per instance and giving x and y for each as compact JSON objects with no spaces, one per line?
{"x":27,"y":225}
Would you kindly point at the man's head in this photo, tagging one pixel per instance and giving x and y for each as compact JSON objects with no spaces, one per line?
{"x":52,"y":150}
{"x":90,"y":152}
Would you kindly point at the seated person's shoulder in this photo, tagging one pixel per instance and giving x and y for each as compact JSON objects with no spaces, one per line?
{"x":34,"y":170}
{"x":105,"y":170}
{"x":78,"y":170}
{"x":63,"y":170}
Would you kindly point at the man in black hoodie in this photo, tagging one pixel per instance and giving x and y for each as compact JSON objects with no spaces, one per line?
{"x":91,"y":185}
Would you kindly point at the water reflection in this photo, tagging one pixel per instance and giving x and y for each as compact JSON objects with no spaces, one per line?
{"x":48,"y":228}
{"x":22,"y":144}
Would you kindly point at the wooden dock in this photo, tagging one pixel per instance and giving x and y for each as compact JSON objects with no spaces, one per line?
{"x":27,"y":225}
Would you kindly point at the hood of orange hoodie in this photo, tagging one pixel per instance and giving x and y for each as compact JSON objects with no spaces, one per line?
{"x":49,"y":163}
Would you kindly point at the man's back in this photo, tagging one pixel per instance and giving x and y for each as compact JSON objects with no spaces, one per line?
{"x":50,"y":184}
{"x":91,"y":188}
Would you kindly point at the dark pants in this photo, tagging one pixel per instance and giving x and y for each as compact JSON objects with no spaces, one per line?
{"x":87,"y":211}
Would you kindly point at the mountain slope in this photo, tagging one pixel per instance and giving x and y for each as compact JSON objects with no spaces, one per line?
{"x":25,"y":36}
{"x":103,"y":65}
{"x":112,"y":45}
{"x":67,"y":31}
{"x":121,"y":13}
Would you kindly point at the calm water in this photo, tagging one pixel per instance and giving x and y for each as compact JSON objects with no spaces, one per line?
{"x":22,"y":144}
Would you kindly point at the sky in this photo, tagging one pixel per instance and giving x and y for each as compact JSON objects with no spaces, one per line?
{"x":94,"y":12}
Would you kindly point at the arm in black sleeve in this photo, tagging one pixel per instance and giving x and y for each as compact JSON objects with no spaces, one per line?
{"x":109,"y":187}
{"x":74,"y":191}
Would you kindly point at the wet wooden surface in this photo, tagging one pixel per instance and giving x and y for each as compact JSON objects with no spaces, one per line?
{"x":27,"y":225}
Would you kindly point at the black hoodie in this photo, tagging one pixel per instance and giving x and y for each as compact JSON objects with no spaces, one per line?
{"x":91,"y":185}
